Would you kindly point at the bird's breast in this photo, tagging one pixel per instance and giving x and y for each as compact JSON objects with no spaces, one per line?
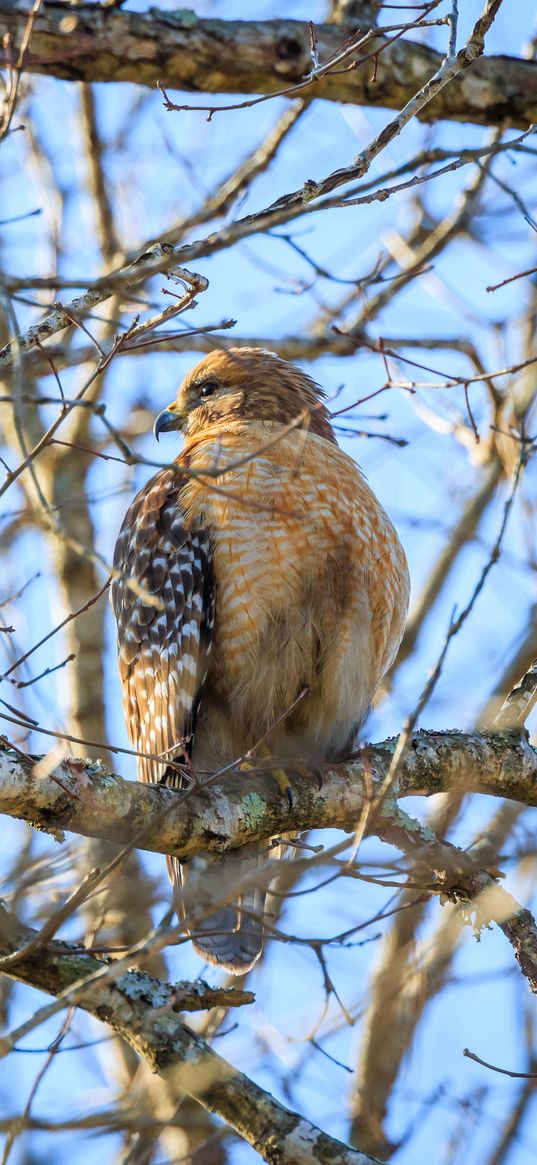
{"x":299,"y":543}
{"x":278,"y":520}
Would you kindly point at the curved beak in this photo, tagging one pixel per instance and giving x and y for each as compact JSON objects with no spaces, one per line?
{"x":167,"y":420}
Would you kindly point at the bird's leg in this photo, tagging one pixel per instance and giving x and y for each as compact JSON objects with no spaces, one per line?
{"x":284,"y":785}
{"x":278,"y":774}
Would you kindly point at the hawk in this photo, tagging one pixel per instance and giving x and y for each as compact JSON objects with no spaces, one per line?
{"x":260,"y":596}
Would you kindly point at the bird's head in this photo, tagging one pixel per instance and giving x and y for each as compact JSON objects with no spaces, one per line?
{"x":247,"y":384}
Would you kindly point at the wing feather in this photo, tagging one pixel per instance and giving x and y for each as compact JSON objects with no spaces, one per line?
{"x":164,"y":646}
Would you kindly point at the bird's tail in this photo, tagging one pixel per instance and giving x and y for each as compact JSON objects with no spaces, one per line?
{"x":230,"y":937}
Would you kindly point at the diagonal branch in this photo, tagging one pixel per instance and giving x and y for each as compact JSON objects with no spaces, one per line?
{"x":144,"y":1012}
{"x":163,"y":256}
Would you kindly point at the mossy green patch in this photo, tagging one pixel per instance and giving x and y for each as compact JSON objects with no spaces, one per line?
{"x":254,"y":809}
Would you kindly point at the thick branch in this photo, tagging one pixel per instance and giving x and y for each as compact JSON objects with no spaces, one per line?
{"x":282,"y":210}
{"x":145,"y":1012}
{"x":85,"y":798}
{"x":92,"y":43}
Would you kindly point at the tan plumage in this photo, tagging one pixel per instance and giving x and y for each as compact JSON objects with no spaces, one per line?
{"x":279,"y":571}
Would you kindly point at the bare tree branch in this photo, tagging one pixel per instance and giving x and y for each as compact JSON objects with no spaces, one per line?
{"x":207,"y":56}
{"x":145,"y":1012}
{"x":228,"y":812}
{"x":164,"y":256}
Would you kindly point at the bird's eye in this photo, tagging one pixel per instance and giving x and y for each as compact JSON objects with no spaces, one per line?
{"x":209,"y":388}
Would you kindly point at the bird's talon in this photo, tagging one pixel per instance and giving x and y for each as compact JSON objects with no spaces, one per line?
{"x":284,"y":785}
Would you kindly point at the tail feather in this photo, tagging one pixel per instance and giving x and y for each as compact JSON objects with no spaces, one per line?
{"x":230,"y":937}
